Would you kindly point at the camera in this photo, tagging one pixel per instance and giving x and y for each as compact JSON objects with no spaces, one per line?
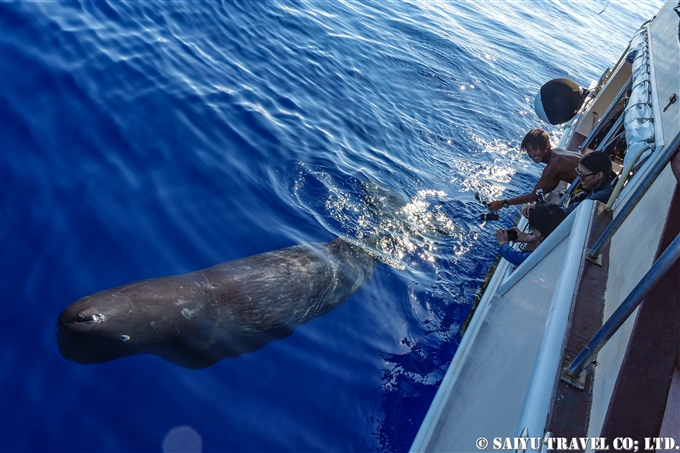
{"x":489,"y":216}
{"x":540,"y":197}
{"x":493,"y":215}
{"x":512,"y":235}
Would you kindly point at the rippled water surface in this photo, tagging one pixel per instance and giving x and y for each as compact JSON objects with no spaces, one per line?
{"x":145,"y":139}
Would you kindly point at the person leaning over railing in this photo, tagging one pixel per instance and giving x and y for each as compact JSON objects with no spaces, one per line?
{"x":597,"y":182}
{"x":543,"y":221}
{"x":597,"y":179}
{"x":560,"y":166}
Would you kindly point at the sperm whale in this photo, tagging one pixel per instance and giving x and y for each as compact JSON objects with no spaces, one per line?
{"x":197,"y":319}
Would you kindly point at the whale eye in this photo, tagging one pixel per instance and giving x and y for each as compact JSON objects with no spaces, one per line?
{"x":90,"y":319}
{"x":124,"y":338}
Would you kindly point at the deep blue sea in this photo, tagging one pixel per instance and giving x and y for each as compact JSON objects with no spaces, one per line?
{"x":142,"y":139}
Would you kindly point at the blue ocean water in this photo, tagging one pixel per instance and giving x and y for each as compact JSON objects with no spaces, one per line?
{"x":144,"y":139}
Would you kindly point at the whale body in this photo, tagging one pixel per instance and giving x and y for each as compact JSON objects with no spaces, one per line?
{"x":196,"y":319}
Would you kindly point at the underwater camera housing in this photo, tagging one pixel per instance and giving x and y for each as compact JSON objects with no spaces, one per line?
{"x":487,"y":215}
{"x":540,"y":198}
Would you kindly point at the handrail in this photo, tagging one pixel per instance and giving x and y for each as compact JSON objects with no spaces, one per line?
{"x":547,"y":365}
{"x":613,"y":131}
{"x":569,"y":192}
{"x":600,"y":124}
{"x":632,"y":155}
{"x":666,"y":154}
{"x":627,"y":307}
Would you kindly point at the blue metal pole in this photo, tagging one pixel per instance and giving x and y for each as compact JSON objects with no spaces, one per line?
{"x":627,"y":307}
{"x":598,"y":127}
{"x":657,"y":167}
{"x":569,"y":192}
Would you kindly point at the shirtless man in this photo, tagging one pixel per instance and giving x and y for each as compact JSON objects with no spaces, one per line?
{"x":561,"y":166}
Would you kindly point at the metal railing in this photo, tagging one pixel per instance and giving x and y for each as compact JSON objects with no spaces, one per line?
{"x":601,"y":124}
{"x":666,"y":154}
{"x":613,"y":134}
{"x":658,"y":270}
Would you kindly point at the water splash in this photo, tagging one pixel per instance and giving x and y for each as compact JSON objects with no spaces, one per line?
{"x":405,"y":228}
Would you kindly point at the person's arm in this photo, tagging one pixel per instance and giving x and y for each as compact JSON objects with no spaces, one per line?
{"x":497,"y":204}
{"x":547,"y":182}
{"x":513,"y":256}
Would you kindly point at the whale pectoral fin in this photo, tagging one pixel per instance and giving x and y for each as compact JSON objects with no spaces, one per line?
{"x":196,"y":359}
{"x":193,"y":362}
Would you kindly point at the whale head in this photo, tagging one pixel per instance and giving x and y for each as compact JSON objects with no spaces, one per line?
{"x":95,"y":329}
{"x":133,"y":319}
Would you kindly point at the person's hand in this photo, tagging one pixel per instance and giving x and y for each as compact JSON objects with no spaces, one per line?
{"x":502,"y":236}
{"x":527,"y":209}
{"x":524,"y":237}
{"x":495,"y":205}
